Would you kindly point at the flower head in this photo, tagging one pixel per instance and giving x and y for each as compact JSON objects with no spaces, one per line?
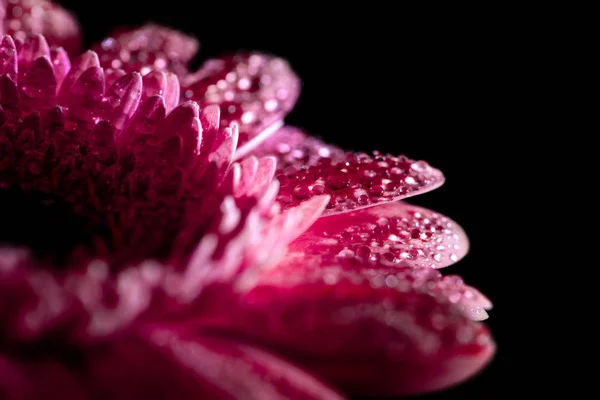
{"x":167,"y":242}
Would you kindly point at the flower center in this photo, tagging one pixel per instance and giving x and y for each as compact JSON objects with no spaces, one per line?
{"x":46,"y":225}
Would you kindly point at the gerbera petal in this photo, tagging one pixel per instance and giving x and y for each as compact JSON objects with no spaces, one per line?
{"x":34,"y":47}
{"x":81,"y":64}
{"x":256,"y":175}
{"x":122,"y":99}
{"x":61,"y":63}
{"x":39,"y":89}
{"x":240,"y":371}
{"x":293,"y":148}
{"x":146,"y":48}
{"x":364,"y":336}
{"x":163,"y":84}
{"x":391,"y":234}
{"x":8,"y":58}
{"x":357,"y":182}
{"x":254,"y":90}
{"x":26,"y":17}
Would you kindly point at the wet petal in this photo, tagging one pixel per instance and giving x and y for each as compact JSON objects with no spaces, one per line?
{"x":254,"y":90}
{"x":387,"y":338}
{"x":357,"y":182}
{"x":149,"y":47}
{"x":26,"y":17}
{"x":293,"y":148}
{"x":391,"y":234}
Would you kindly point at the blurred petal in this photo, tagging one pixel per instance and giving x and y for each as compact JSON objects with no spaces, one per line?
{"x":368,"y":336}
{"x":33,"y":17}
{"x":146,"y":48}
{"x":169,"y":366}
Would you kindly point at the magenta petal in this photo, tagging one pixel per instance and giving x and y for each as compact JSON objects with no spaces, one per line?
{"x":357,"y":182}
{"x":239,"y":371}
{"x":61,"y":64}
{"x":26,"y":17}
{"x":8,"y":58}
{"x":84,"y":62}
{"x":33,"y":48}
{"x":256,"y":176}
{"x":39,"y":88}
{"x":391,"y":234}
{"x":390,"y":338}
{"x":292,"y":148}
{"x":85,"y":97}
{"x":254,"y":90}
{"x":146,"y":48}
{"x":122,"y":98}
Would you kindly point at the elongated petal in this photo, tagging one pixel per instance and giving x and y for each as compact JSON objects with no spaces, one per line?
{"x":391,"y":234}
{"x":239,"y":371}
{"x":162,"y":366}
{"x":387,"y":339}
{"x":357,"y":182}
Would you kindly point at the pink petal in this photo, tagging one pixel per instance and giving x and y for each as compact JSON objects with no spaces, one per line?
{"x":33,"y":17}
{"x":61,"y":64}
{"x":292,"y":147}
{"x":359,"y":181}
{"x":122,"y":99}
{"x":85,"y":98}
{"x":162,"y":366}
{"x":390,"y":338}
{"x":254,"y":90}
{"x":39,"y":86}
{"x":391,"y":234}
{"x":256,"y":176}
{"x":8,"y":58}
{"x":239,"y":371}
{"x":81,"y":64}
{"x":33,"y":48}
{"x":149,"y":47}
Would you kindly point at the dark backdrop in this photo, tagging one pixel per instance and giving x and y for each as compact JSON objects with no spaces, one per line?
{"x":431,"y":84}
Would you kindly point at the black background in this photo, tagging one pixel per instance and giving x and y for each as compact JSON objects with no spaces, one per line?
{"x":434,"y":84}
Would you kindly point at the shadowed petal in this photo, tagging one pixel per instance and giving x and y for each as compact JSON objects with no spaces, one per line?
{"x":386,"y":339}
{"x":238,"y":371}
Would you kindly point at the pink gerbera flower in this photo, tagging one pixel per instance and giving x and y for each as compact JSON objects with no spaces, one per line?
{"x":167,"y":242}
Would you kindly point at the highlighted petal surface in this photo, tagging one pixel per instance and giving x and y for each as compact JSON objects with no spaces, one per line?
{"x":391,"y":234}
{"x":358,"y":181}
{"x":146,"y":48}
{"x":254,"y":90}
